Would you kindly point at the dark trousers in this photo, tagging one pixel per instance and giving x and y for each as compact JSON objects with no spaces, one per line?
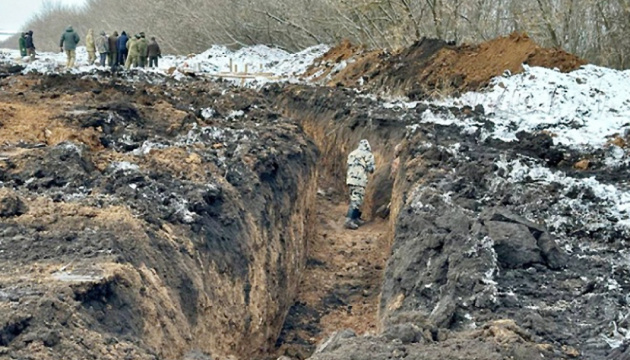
{"x":112,"y":58}
{"x":142,"y":61}
{"x":103,"y":58}
{"x":153,"y":61}
{"x":122,"y":57}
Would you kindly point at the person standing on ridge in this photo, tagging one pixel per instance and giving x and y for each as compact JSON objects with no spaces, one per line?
{"x":154,"y":53}
{"x":30,"y":45}
{"x":22,"y":44}
{"x":360,"y":163}
{"x":143,"y":46}
{"x":102,"y":46}
{"x":132,"y":48}
{"x":121,"y":46}
{"x":68,"y":42}
{"x":112,"y":57}
{"x":90,"y":47}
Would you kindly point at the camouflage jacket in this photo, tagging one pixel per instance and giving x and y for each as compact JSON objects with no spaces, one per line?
{"x":360,"y":163}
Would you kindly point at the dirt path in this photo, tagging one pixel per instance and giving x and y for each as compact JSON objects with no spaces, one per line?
{"x":342,"y":282}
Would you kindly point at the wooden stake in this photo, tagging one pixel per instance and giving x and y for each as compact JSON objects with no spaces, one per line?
{"x":231,"y":65}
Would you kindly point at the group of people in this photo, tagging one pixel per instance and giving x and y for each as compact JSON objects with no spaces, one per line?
{"x":123,"y":50}
{"x":114,"y":50}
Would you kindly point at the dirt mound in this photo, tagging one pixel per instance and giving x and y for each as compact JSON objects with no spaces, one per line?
{"x":430,"y":67}
{"x":329,"y":66}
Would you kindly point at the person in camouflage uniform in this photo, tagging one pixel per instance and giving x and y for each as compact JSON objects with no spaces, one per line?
{"x":360,"y":163}
{"x":22,"y":43}
{"x":143,"y":46}
{"x":90,"y":47}
{"x":68,"y":42}
{"x":132,"y":55}
{"x":102,"y":46}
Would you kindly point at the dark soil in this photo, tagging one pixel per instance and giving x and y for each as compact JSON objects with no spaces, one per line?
{"x":126,"y":245}
{"x":472,"y":248}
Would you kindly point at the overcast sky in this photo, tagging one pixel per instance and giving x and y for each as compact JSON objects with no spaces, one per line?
{"x":14,"y":13}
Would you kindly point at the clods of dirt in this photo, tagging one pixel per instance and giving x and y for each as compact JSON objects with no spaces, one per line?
{"x":142,"y":221}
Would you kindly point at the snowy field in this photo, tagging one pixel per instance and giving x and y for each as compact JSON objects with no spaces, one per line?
{"x":275,"y":63}
{"x":584,"y":111}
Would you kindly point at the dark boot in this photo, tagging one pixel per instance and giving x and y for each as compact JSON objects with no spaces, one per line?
{"x":350,"y":219}
{"x":350,"y":224}
{"x":358,"y":220}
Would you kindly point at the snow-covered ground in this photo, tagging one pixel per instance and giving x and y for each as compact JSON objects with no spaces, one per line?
{"x":274,"y":62}
{"x":580,"y":109}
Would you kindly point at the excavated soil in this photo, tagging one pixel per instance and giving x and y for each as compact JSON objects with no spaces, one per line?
{"x":435,"y":68}
{"x":138,"y":224}
{"x":468,"y":275}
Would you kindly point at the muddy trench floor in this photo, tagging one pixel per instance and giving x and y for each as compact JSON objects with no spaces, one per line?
{"x":341,"y":284}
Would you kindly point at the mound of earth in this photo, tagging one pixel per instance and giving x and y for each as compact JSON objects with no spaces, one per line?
{"x":432,"y":68}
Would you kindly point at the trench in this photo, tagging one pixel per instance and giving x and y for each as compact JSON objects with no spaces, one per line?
{"x":259,"y":266}
{"x":341,"y":284}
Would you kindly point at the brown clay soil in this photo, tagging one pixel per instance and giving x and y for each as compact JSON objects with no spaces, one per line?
{"x":341,"y":285}
{"x":433,"y":68}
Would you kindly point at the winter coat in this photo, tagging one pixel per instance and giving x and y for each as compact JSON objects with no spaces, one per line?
{"x":22,"y":43}
{"x":102,"y":44}
{"x":122,"y":42}
{"x":132,"y":46}
{"x":69,"y":39}
{"x":113,"y":40}
{"x":153,"y":49}
{"x":143,"y":46}
{"x":29,"y":40}
{"x":89,"y":41}
{"x":360,"y":163}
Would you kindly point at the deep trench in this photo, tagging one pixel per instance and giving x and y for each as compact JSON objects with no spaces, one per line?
{"x":207,"y":304}
{"x":266,"y":268}
{"x":340,"y":286}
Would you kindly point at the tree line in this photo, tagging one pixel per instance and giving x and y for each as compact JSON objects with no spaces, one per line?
{"x":595,"y":30}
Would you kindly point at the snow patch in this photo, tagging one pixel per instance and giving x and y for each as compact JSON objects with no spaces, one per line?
{"x":124,"y":166}
{"x":580,"y":108}
{"x":613,"y":203}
